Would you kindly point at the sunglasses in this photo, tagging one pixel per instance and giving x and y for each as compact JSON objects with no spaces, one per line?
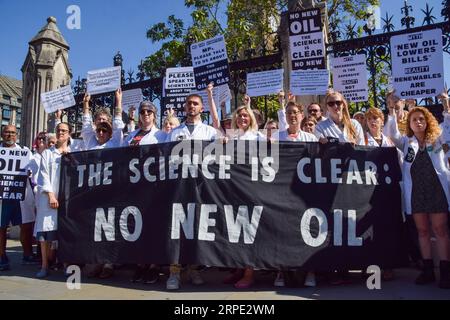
{"x":42,"y":138}
{"x":102,"y":130}
{"x":335,"y":103}
{"x":145,"y":111}
{"x":313,"y":110}
{"x":10,"y":132}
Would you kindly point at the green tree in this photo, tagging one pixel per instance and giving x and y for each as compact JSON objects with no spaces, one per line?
{"x":248,"y":27}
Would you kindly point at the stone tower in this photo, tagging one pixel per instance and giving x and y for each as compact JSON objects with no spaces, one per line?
{"x":46,"y":68}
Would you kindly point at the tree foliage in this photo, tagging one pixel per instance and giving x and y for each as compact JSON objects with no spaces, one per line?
{"x":249,"y":28}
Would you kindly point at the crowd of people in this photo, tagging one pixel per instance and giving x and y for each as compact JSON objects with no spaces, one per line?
{"x":423,"y":148}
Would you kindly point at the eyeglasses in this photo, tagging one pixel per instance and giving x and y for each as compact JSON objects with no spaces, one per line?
{"x":293,"y":112}
{"x":102,"y":130}
{"x":62,"y":131}
{"x":335,"y":103}
{"x":309,"y":124}
{"x":13,"y":133}
{"x":145,"y":111}
{"x":313,"y":110}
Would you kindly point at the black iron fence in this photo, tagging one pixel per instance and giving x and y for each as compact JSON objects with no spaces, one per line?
{"x":376,"y":47}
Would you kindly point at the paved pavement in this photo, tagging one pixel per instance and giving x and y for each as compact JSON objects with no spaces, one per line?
{"x":20,"y":283}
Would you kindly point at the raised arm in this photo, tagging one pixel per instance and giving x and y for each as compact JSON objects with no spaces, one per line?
{"x":212,"y":106}
{"x":282,"y":123}
{"x":391,"y":127}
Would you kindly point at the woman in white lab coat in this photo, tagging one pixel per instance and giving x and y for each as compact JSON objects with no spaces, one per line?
{"x":48,"y":187}
{"x":426,"y":187}
{"x":339,"y":125}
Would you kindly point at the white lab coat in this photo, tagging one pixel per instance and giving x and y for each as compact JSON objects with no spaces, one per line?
{"x":154,"y":136}
{"x":247,"y":135}
{"x":445,"y":126}
{"x":301,"y":136}
{"x":27,"y":206}
{"x":434,"y":151}
{"x":201,"y":132}
{"x":328,"y":128}
{"x":90,"y":139}
{"x":48,"y":181}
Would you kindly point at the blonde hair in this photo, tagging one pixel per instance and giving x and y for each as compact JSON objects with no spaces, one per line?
{"x":253,"y":124}
{"x":432,"y":132}
{"x":171,"y":118}
{"x":346,"y":119}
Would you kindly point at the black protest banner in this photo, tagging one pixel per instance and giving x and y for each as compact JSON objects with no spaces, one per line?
{"x":240,"y":204}
{"x":210,"y":62}
{"x":13,"y":173}
{"x":306,"y":40}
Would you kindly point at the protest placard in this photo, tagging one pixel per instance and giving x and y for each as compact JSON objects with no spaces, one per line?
{"x":350,"y":77}
{"x":306,"y":40}
{"x":178,"y":84}
{"x":210,"y":62}
{"x":103,"y":80}
{"x":264,"y":83}
{"x":131,"y":98}
{"x":309,"y":82}
{"x":59,"y":99}
{"x":417,"y":64}
{"x":13,"y":173}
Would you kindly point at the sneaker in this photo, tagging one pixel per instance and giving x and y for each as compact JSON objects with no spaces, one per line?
{"x":310,"y":280}
{"x":4,"y":263}
{"x":173,"y":283}
{"x":43,"y":273}
{"x":30,"y":260}
{"x":151,"y":276}
{"x":196,"y":278}
{"x":279,"y":280}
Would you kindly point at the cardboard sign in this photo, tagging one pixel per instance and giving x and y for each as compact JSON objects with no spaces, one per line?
{"x":103,"y":80}
{"x":309,"y":82}
{"x":350,"y":77}
{"x":306,"y":40}
{"x":13,"y":173}
{"x":210,"y":62}
{"x":264,"y":83}
{"x":131,"y":98}
{"x":58,"y":99}
{"x":417,"y":64}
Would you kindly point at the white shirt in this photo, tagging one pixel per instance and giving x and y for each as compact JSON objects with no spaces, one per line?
{"x":201,"y":132}
{"x":301,"y":136}
{"x":90,"y":139}
{"x":152,"y":137}
{"x":328,"y":128}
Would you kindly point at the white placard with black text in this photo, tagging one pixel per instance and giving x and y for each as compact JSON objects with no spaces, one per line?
{"x":417,"y":64}
{"x":264,"y":83}
{"x":350,"y":77}
{"x":131,"y":98}
{"x":309,"y":82}
{"x":58,"y":99}
{"x":103,"y":80}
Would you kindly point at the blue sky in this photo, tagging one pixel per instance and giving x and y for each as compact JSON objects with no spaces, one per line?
{"x":113,"y":25}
